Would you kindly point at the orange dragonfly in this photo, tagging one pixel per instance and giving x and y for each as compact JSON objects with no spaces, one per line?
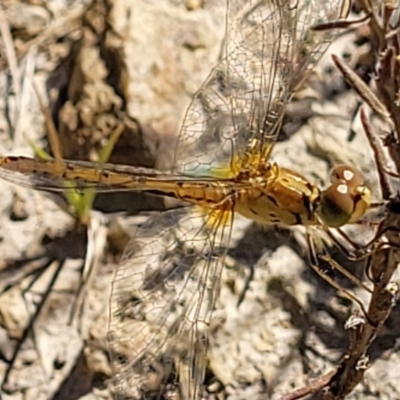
{"x":167,"y":284}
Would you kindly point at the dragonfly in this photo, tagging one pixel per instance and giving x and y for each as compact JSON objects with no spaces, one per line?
{"x":166,"y":286}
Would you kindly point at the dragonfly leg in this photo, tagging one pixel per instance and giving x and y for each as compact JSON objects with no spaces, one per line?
{"x":353,"y":256}
{"x":364,"y":252}
{"x":316,"y":267}
{"x":350,"y":254}
{"x":246,"y":286}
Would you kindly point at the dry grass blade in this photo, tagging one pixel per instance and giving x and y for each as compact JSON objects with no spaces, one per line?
{"x":51,"y":129}
{"x":345,"y":9}
{"x":10,"y":51}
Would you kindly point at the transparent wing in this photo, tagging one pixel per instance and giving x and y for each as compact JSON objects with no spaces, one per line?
{"x":162,"y":297}
{"x":269,"y":48}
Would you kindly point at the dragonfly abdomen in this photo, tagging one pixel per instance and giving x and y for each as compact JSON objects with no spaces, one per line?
{"x":61,"y":175}
{"x":204,"y":194}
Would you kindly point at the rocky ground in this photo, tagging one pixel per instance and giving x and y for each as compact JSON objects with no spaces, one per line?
{"x":95,"y":65}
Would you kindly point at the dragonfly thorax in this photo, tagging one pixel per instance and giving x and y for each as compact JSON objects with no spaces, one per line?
{"x":281,"y":197}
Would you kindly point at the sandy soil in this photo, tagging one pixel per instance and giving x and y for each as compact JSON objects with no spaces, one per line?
{"x":95,"y":65}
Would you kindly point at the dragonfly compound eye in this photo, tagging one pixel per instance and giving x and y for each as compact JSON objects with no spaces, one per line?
{"x":337,"y":204}
{"x":350,"y":175}
{"x":345,"y":201}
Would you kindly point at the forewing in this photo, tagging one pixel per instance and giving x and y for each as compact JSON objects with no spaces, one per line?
{"x":162,"y":297}
{"x":269,"y":49}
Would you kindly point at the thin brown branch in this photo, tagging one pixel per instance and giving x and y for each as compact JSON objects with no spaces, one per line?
{"x":379,"y":156}
{"x":312,"y":387}
{"x":361,"y":87}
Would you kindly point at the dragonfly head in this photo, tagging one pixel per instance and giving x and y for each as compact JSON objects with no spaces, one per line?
{"x":346,"y":200}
